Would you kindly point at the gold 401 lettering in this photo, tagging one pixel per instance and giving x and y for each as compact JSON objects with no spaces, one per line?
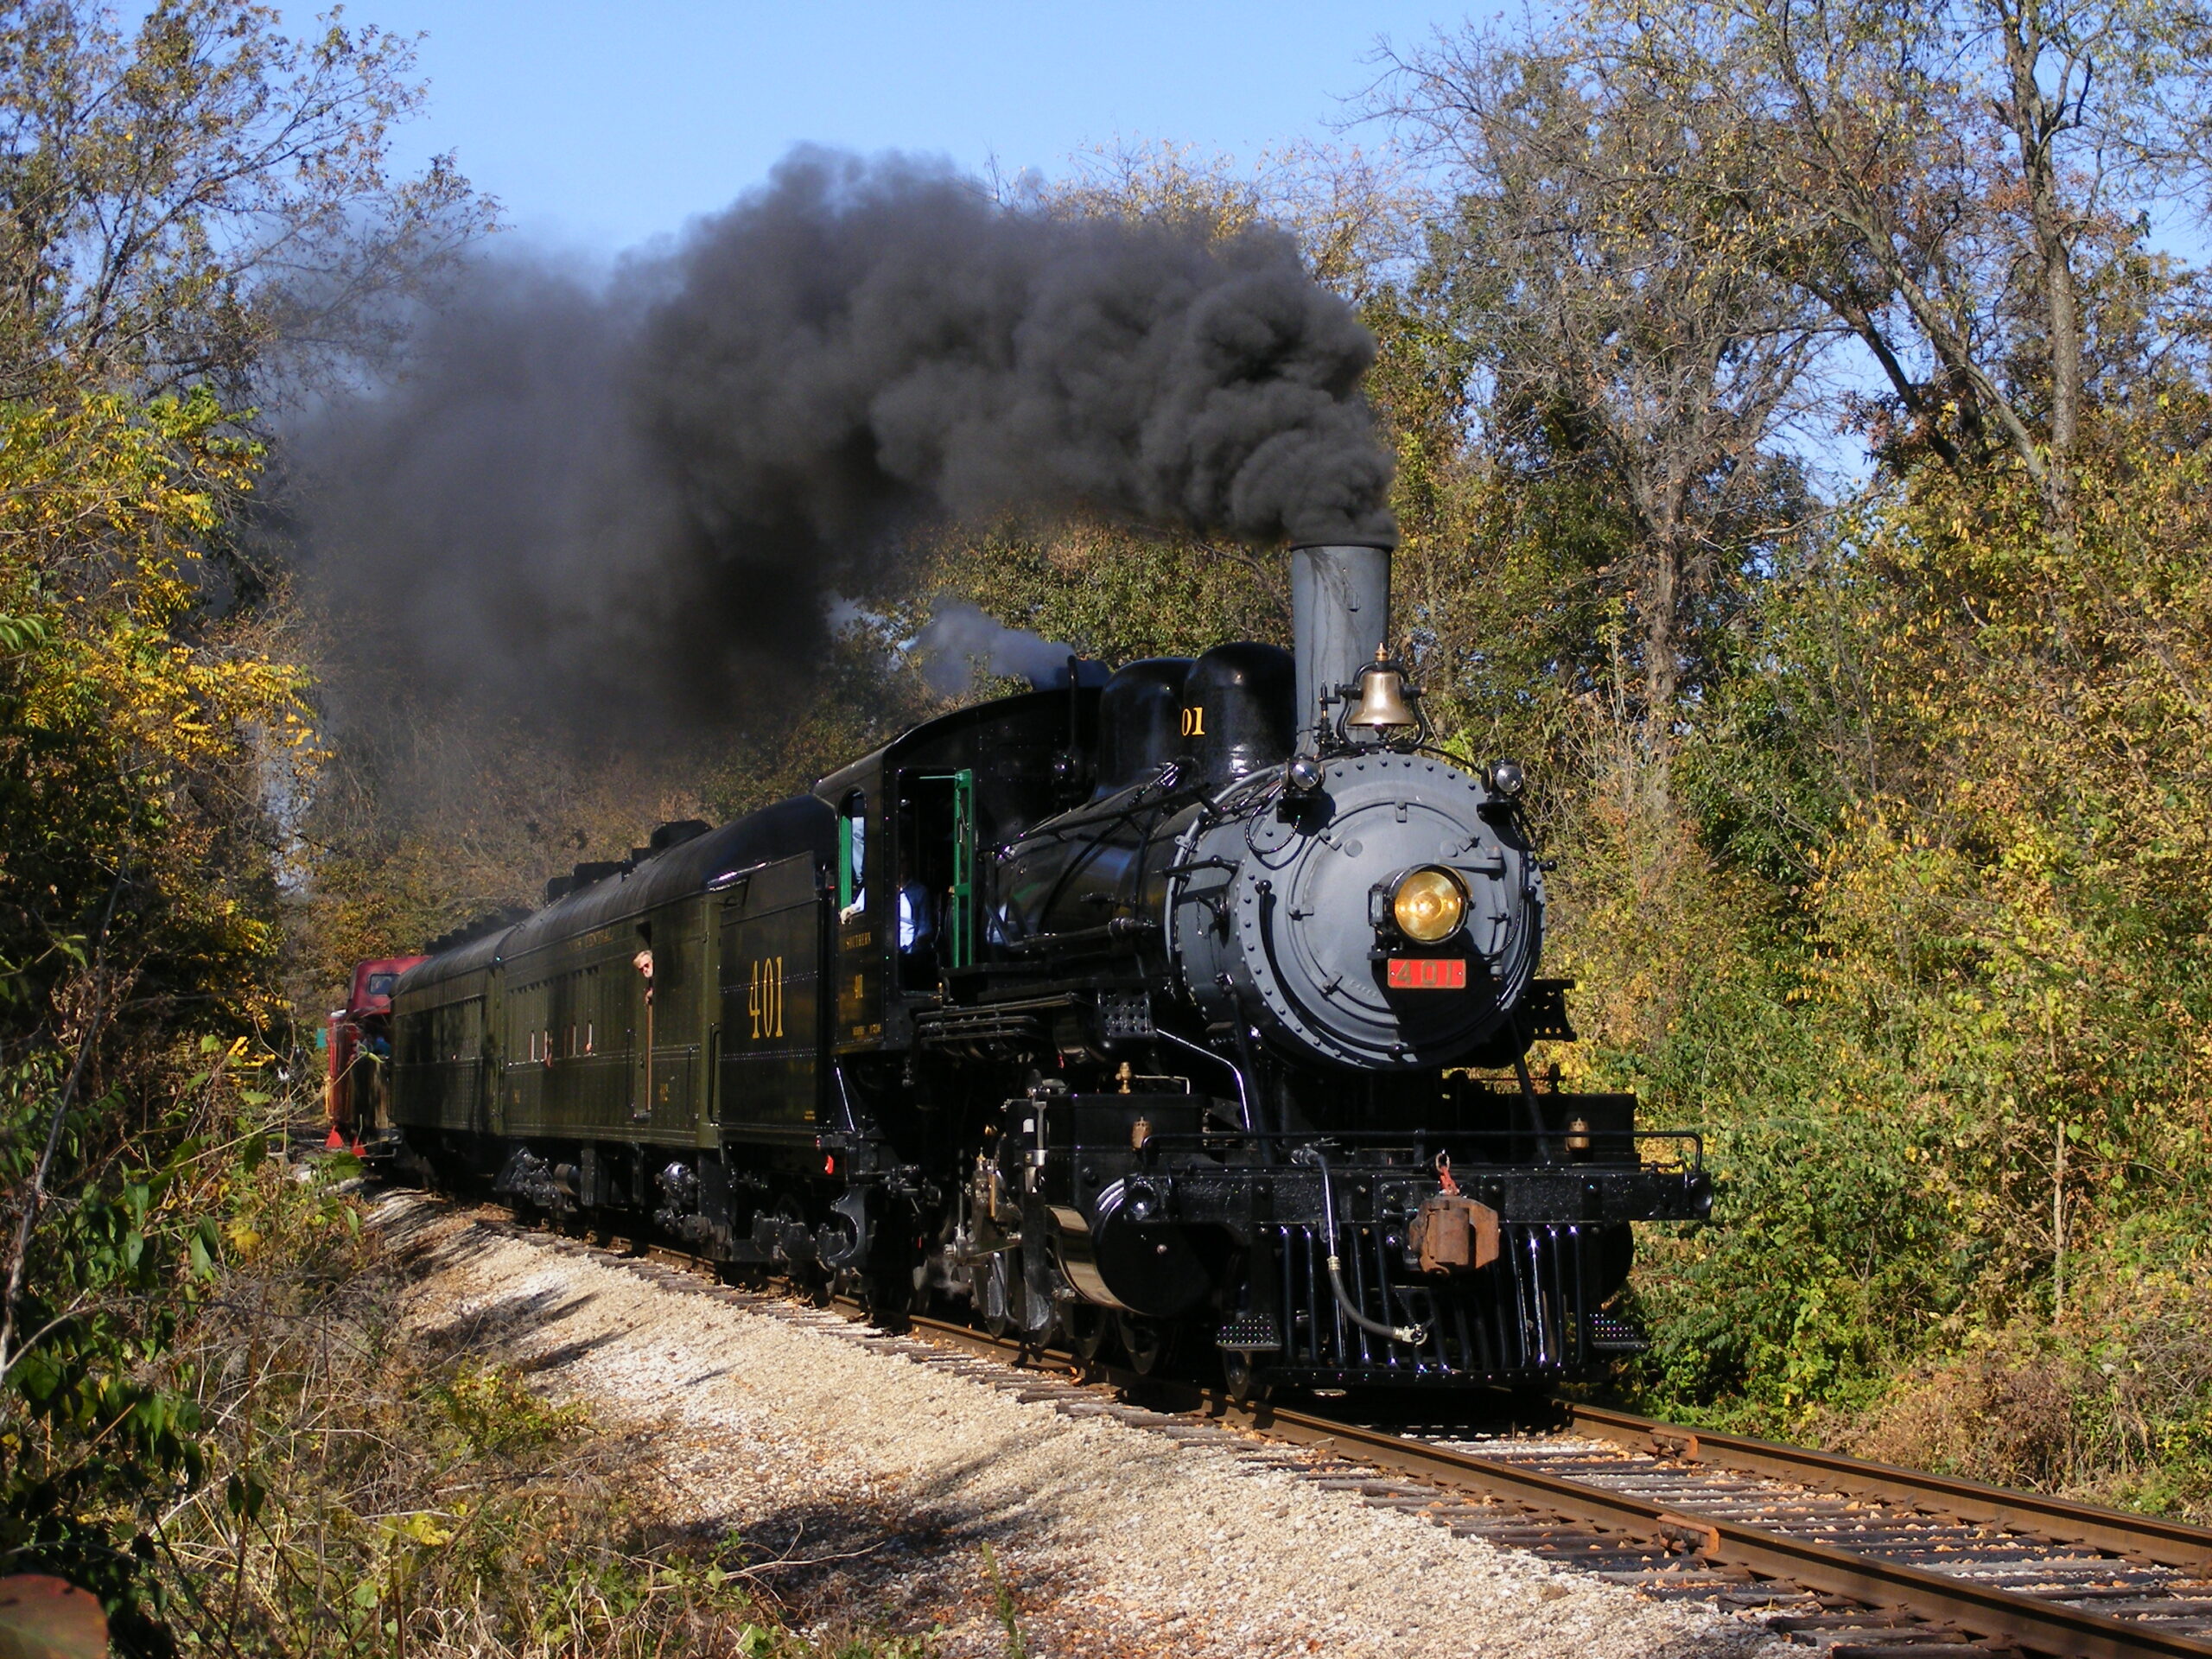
{"x":1194,"y":723}
{"x":764,"y":997}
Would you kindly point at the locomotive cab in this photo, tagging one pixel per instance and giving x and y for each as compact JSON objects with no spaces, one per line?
{"x":916,"y":819}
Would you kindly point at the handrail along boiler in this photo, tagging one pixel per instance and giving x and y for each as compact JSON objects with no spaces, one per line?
{"x":1148,"y":1009}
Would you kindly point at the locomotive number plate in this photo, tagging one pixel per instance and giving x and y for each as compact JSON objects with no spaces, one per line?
{"x":1428,"y":974}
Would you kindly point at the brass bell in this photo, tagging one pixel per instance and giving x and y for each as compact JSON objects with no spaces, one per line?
{"x":1381,"y":697}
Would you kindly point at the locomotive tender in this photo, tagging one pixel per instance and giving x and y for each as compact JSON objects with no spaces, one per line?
{"x":1146,"y":1011}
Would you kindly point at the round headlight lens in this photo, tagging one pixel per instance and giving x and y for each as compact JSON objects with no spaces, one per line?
{"x":1428,"y":905}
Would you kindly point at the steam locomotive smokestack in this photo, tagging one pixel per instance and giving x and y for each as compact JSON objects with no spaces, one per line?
{"x":1339,"y":607}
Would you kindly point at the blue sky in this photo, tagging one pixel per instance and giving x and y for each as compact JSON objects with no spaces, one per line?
{"x":601,"y":125}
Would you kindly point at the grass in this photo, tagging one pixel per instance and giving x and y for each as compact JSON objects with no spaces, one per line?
{"x":377,"y":1490}
{"x":1002,"y":1601}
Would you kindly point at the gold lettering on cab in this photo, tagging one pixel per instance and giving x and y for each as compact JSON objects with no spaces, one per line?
{"x":859,"y":941}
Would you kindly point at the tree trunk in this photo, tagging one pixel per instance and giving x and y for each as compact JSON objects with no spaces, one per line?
{"x":2036,"y":119}
{"x":2062,"y":308}
{"x":1661,"y":600}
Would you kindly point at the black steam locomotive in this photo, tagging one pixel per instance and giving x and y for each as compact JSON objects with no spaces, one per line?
{"x":1148,"y":1011}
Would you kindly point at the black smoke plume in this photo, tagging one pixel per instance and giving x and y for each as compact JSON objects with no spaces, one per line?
{"x":633,"y":495}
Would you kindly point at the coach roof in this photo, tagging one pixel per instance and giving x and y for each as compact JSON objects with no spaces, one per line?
{"x":802,"y":825}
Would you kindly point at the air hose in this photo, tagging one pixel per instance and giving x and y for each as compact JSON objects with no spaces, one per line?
{"x":1413,"y":1335}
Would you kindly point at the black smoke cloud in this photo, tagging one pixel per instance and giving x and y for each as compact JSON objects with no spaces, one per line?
{"x":635,"y":495}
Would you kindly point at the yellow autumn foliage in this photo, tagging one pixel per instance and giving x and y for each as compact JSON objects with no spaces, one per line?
{"x":140,"y":730}
{"x":2021,"y":898}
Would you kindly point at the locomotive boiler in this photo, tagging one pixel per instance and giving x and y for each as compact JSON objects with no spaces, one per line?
{"x":1189,"y":1010}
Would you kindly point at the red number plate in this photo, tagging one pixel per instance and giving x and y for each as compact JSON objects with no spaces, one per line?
{"x":1428,"y":974}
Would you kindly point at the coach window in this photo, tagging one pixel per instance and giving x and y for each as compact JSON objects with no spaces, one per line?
{"x":852,"y":857}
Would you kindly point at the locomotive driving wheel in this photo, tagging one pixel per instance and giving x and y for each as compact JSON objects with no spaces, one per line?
{"x":1241,"y":1378}
{"x":1087,"y":1328}
{"x":886,"y":1295}
{"x":998,"y":1289}
{"x":1143,"y":1341}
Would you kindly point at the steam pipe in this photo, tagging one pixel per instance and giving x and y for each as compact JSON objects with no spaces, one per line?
{"x":1243,"y":1100}
{"x":1412,"y":1335}
{"x":1339,"y":612}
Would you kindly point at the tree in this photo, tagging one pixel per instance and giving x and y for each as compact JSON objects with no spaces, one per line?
{"x":137,"y":888}
{"x":1961,"y":186}
{"x":192,"y":215}
{"x":1943,"y":792}
{"x":1354,"y":215}
{"x":1616,"y":336}
{"x":136,"y":734}
{"x":180,"y":202}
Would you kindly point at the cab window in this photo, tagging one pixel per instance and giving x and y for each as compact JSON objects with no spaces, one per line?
{"x":852,"y":856}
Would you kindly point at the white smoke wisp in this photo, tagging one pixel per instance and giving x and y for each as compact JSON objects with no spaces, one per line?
{"x":958,"y":640}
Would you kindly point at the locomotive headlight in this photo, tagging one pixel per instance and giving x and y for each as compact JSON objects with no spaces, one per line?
{"x":1428,"y":904}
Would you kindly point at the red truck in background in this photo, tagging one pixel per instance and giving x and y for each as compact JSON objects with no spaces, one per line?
{"x":357,"y":1085}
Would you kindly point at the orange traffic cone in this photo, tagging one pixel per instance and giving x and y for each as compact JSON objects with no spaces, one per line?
{"x":337,"y":1142}
{"x":360,"y":1151}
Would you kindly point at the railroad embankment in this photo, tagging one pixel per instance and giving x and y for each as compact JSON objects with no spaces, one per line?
{"x":865,"y":1481}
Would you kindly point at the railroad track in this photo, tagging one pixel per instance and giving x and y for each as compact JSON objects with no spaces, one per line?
{"x":2043,"y":1573}
{"x":1912,"y":1562}
{"x":1848,"y":1558}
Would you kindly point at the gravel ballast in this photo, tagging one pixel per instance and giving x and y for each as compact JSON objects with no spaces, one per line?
{"x":867,"y":1478}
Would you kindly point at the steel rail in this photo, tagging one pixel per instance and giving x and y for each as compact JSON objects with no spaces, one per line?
{"x":2039,"y":1626}
{"x":2170,"y":1543}
{"x":2042,"y":1626}
{"x":2048,"y":1627}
